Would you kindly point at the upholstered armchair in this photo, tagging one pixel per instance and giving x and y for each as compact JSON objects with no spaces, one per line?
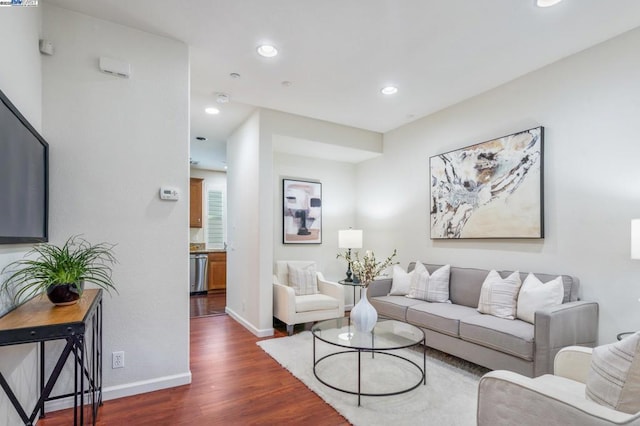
{"x":301,"y":294}
{"x":507,"y":398}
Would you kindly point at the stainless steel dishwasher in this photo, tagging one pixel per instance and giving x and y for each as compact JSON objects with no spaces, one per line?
{"x":198,"y":273}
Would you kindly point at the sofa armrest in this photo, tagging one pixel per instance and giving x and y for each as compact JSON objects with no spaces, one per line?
{"x":506,"y":398}
{"x":573,"y":362}
{"x":379,"y":287}
{"x":332,"y":289}
{"x":284,"y":302}
{"x":568,"y":324}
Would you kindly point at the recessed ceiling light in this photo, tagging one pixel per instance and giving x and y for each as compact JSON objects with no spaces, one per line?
{"x":222,"y":98}
{"x":547,"y":3}
{"x":212,"y":110}
{"x":267,"y":50}
{"x":234,"y":75}
{"x":201,"y":138}
{"x":389,"y":90}
{"x":286,"y":83}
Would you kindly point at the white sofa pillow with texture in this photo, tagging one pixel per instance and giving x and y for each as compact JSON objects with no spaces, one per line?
{"x":498,"y":295}
{"x":430,"y":287}
{"x":614,"y":377}
{"x":303,"y":280}
{"x":401,"y":281}
{"x":535,"y":295}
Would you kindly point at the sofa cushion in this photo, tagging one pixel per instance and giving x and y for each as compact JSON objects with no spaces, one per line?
{"x":571,"y":285}
{"x":465,"y":285}
{"x":498,"y":295}
{"x":393,"y":307}
{"x":535,"y":295}
{"x":315,"y":302}
{"x":401,"y":283}
{"x":614,"y":377}
{"x":303,"y":279}
{"x":514,"y":337}
{"x":440,"y":317}
{"x":432,"y":287}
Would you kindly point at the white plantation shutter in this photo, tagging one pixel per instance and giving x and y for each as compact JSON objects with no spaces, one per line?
{"x":215,"y":218}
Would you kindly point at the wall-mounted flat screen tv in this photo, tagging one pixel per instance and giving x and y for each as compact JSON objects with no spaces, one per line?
{"x":24,"y":179}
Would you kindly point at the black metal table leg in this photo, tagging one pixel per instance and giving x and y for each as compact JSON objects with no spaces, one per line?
{"x":359,"y":381}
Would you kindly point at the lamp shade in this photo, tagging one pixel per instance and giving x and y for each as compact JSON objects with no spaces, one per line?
{"x":635,"y":238}
{"x":350,"y":238}
{"x":547,"y":3}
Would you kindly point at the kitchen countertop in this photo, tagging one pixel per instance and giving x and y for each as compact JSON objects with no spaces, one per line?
{"x":205,"y":251}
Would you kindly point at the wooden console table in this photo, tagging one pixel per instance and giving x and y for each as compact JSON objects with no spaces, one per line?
{"x":39,"y":321}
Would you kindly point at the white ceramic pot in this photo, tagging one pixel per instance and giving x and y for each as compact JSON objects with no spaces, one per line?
{"x":364,"y":316}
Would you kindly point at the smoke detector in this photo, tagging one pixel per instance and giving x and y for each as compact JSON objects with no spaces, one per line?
{"x":222,"y":98}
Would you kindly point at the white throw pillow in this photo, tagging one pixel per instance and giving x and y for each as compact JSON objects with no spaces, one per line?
{"x":535,"y":295}
{"x":498,"y":295}
{"x":401,"y":282}
{"x":303,"y":280}
{"x":432,"y":288}
{"x":614,"y":377}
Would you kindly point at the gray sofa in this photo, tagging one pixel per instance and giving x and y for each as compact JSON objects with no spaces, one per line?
{"x":496,"y":343}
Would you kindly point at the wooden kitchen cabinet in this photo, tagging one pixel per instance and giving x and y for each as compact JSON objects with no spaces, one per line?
{"x":218,"y":271}
{"x":195,"y":203}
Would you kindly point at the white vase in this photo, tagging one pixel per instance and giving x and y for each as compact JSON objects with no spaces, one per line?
{"x":364,"y":316}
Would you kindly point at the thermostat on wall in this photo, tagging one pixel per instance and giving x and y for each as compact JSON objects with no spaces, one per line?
{"x":170,"y":194}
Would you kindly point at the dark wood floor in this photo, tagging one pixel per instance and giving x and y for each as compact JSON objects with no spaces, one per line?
{"x":234,"y":383}
{"x":212,"y":303}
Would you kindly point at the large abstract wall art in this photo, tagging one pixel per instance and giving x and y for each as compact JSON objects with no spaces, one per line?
{"x":302,"y":212}
{"x":493,"y":189}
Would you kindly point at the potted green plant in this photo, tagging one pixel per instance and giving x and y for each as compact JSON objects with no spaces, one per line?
{"x":61,"y":272}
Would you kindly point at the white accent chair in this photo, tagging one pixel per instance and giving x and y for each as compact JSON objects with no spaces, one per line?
{"x":508,"y":398}
{"x":292,"y":309}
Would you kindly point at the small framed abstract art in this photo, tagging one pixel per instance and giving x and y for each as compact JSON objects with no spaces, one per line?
{"x":302,"y":212}
{"x":493,"y":189}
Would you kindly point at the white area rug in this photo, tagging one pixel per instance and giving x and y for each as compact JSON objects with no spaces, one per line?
{"x":448,"y":398}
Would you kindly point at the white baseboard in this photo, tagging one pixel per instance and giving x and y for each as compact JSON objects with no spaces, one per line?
{"x":127,"y":389}
{"x":246,"y":324}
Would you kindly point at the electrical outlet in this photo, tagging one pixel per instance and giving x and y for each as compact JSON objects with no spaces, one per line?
{"x":117,"y":359}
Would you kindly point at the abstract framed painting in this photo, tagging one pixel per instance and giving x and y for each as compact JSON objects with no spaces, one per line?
{"x":302,"y":212}
{"x":493,"y":189}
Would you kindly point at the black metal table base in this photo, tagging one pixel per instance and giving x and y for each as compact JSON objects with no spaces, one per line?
{"x":87,"y":362}
{"x":421,"y":370}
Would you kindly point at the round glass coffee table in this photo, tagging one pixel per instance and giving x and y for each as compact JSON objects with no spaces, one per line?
{"x":385,"y":341}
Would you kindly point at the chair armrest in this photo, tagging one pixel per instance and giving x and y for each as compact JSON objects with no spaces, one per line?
{"x":507,"y":398}
{"x":568,"y":324}
{"x":379,"y":287}
{"x":332,"y":289}
{"x":284,"y":302}
{"x":573,"y":362}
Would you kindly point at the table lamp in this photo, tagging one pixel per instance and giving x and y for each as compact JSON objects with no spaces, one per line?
{"x":349,"y":239}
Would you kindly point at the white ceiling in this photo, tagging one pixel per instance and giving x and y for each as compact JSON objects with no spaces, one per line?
{"x":337,"y":54}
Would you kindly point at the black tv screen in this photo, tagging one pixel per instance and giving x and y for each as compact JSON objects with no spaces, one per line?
{"x":24,"y":179}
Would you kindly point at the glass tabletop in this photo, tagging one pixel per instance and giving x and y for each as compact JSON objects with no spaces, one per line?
{"x":387,"y":334}
{"x":351,"y":283}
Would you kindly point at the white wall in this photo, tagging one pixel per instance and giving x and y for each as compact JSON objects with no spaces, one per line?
{"x":254,"y":184}
{"x":212,"y":180}
{"x":244,"y":226}
{"x":589,"y":106}
{"x":338,"y":211}
{"x":20,"y":80}
{"x":114,"y":142}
